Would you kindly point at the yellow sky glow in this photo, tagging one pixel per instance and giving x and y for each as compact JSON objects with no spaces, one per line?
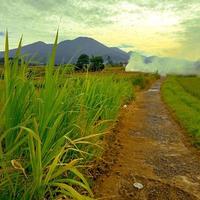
{"x":167,"y":28}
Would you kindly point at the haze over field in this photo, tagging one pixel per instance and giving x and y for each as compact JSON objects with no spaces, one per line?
{"x":163,"y":28}
{"x":163,"y":65}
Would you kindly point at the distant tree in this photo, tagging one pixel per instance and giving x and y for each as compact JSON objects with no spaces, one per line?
{"x":96,"y":63}
{"x":10,"y":59}
{"x":109,"y":61}
{"x":1,"y":61}
{"x":82,"y":62}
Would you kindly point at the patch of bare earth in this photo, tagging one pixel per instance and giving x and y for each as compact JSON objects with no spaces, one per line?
{"x":148,"y":148}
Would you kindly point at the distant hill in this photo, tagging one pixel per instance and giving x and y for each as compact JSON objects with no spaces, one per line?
{"x":68,"y":51}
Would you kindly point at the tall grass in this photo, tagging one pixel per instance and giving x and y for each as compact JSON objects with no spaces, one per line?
{"x":49,"y":135}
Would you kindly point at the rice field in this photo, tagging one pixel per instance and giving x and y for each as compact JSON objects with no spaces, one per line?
{"x":51,"y":129}
{"x":182,"y":95}
{"x":191,"y":85}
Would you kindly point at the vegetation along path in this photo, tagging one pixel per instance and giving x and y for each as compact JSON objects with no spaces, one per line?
{"x":151,"y":156}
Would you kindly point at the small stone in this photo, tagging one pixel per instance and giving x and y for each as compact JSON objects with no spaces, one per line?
{"x":139,"y":186}
{"x":117,"y":173}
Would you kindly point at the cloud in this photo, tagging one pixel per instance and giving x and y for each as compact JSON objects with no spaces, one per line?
{"x":160,"y":27}
{"x":89,"y":12}
{"x":126,"y":46}
{"x":189,"y":39}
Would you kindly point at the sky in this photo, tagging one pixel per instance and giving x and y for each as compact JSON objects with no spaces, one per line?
{"x":153,"y":27}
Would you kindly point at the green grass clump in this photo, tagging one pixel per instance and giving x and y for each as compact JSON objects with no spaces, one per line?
{"x":140,"y":81}
{"x":144,"y":80}
{"x":49,"y":134}
{"x":184,"y":102}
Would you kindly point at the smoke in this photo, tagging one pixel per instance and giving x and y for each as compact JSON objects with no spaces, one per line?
{"x":162,"y":65}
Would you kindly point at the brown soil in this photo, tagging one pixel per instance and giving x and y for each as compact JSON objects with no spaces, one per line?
{"x":148,"y":147}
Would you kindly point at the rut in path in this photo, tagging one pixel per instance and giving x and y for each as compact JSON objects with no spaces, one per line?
{"x":152,"y":150}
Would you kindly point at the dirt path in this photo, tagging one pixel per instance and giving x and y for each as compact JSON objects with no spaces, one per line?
{"x":150,"y":148}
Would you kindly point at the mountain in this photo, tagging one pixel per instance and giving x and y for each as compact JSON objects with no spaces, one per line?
{"x":68,"y":51}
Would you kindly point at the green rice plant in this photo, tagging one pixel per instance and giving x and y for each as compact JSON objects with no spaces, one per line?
{"x":144,"y":80}
{"x":191,"y":85}
{"x":69,"y":68}
{"x":185,"y":105}
{"x":140,"y":81}
{"x":48,"y":135}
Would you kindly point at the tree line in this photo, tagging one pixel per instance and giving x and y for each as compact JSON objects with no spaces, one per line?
{"x":84,"y":63}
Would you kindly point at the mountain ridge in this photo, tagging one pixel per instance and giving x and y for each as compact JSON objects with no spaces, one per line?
{"x":68,"y":51}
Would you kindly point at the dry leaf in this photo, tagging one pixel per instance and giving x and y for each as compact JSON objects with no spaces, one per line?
{"x":17,"y":165}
